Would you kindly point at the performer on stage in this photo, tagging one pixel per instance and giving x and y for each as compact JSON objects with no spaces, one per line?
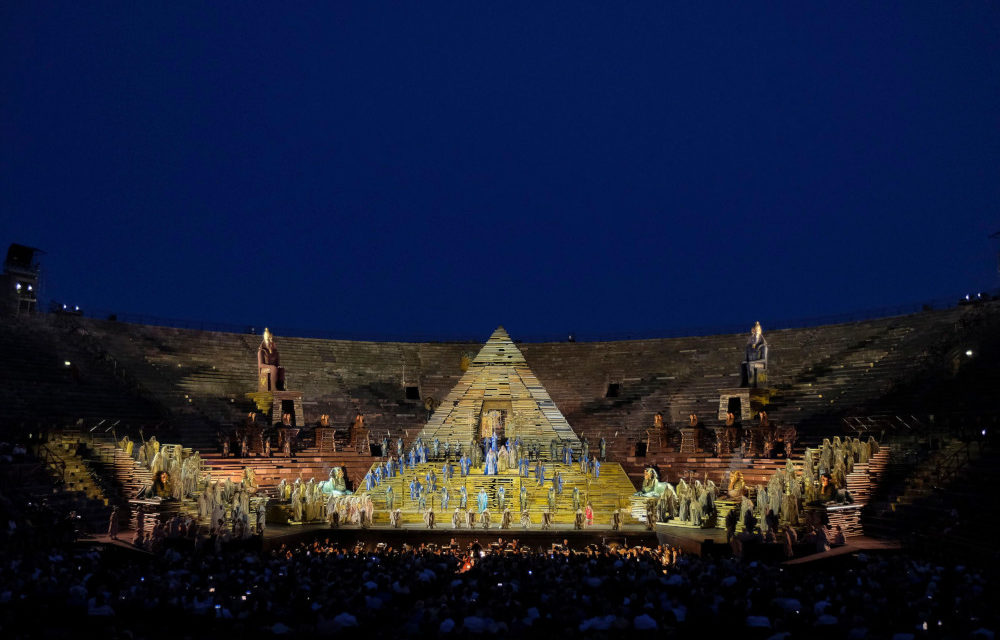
{"x":491,"y":463}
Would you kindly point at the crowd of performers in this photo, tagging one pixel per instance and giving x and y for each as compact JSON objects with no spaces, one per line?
{"x":773,"y":512}
{"x":493,"y":454}
{"x":329,"y":501}
{"x":174,"y":475}
{"x":429,"y":493}
{"x":238,"y":510}
{"x":232,"y":510}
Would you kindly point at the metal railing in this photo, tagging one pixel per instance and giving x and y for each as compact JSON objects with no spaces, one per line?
{"x":52,"y":460}
{"x":882,"y":426}
{"x":949,"y":467}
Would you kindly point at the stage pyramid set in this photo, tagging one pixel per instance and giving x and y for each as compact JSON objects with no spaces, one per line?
{"x":499,"y":393}
{"x":499,"y":379}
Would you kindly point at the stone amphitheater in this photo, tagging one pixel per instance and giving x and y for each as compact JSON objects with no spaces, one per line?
{"x":98,"y":379}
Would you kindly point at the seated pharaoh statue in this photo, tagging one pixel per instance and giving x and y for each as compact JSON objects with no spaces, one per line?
{"x":270,"y":375}
{"x":755,"y":365}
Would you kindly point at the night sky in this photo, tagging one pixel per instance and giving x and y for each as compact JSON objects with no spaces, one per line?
{"x":430,"y":169}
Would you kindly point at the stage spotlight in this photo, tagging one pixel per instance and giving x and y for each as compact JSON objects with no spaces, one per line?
{"x":17,"y":286}
{"x":30,"y":288}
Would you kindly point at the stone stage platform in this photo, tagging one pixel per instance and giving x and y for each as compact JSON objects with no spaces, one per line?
{"x":712,"y":542}
{"x":413,"y":535}
{"x":701,"y":542}
{"x":855,"y":544}
{"x":692,"y":540}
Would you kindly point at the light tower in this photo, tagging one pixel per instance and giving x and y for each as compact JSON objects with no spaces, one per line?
{"x":20,"y":280}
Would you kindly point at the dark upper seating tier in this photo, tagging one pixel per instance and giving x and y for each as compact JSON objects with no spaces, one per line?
{"x":136,"y":371}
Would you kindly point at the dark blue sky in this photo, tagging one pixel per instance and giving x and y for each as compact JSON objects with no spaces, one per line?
{"x":443,"y":168}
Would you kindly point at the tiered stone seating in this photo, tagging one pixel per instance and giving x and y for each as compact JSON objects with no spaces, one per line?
{"x":78,"y":476}
{"x":76,"y":484}
{"x":37,"y":385}
{"x":819,"y":375}
{"x":208,"y":374}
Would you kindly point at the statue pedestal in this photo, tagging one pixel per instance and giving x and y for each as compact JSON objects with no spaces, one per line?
{"x":325,"y":440}
{"x":758,"y":439}
{"x":689,"y":439}
{"x":254,"y":434}
{"x":656,"y":440}
{"x":743,"y":402}
{"x":735,"y":400}
{"x":278,"y":403}
{"x":287,"y":435}
{"x":722,"y":441}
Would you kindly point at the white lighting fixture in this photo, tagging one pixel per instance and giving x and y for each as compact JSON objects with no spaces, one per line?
{"x":66,"y":363}
{"x":29,"y":288}
{"x":17,"y":286}
{"x":968,"y":352}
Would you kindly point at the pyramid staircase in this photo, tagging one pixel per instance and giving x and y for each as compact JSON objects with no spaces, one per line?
{"x":608,"y":492}
{"x":499,"y":373}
